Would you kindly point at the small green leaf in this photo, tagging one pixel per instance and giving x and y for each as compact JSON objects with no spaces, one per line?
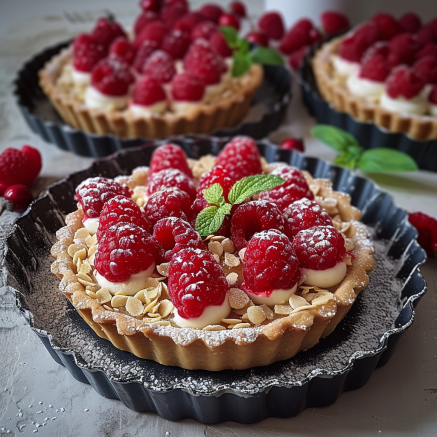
{"x":241,"y":65}
{"x":203,"y":220}
{"x":213,"y":194}
{"x":266,"y":56}
{"x":382,"y":160}
{"x":345,"y":160}
{"x":251,"y":185}
{"x":217,"y":221}
{"x":230,"y":34}
{"x":335,"y":138}
{"x":241,"y":47}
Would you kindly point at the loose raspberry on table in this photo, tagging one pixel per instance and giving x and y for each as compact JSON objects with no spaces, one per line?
{"x":426,"y":35}
{"x":240,"y":158}
{"x":112,"y":77}
{"x":218,"y":175}
{"x":93,"y":193}
{"x":294,"y":40}
{"x":252,"y":217}
{"x":198,"y":205}
{"x":270,"y":263}
{"x":238,"y":8}
{"x":124,"y":249}
{"x":174,"y":234}
{"x":171,"y":177}
{"x":319,"y":247}
{"x":304,"y":214}
{"x":427,"y":50}
{"x":170,"y":202}
{"x":19,"y":195}
{"x":169,"y":156}
{"x":196,"y":281}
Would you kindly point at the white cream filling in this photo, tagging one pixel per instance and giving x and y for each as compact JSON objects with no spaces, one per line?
{"x":80,"y":77}
{"x":91,"y":224}
{"x":325,"y":278}
{"x":211,"y":315}
{"x":135,"y":283}
{"x":148,"y":111}
{"x":95,"y":99}
{"x":277,"y":297}
{"x":366,"y":88}
{"x":416,"y":105}
{"x":343,"y":67}
{"x":433,"y":109}
{"x":185,"y":107}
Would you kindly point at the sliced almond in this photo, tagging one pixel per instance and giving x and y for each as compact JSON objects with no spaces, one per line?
{"x":215,"y":247}
{"x":73,"y":248}
{"x":103,"y":295}
{"x":164,"y":291}
{"x":315,"y":189}
{"x":256,"y":315}
{"x":238,"y":298}
{"x":141,"y":296}
{"x":267,"y":311}
{"x":241,"y":325}
{"x":344,"y":227}
{"x":228,"y":245}
{"x":155,"y":316}
{"x":85,"y":267}
{"x":155,"y":309}
{"x":349,"y":244}
{"x":242,"y":252}
{"x":162,"y":322}
{"x":231,"y":260}
{"x":151,"y":282}
{"x":81,"y":234}
{"x":216,"y":257}
{"x":108,"y":308}
{"x":231,"y":321}
{"x":283,"y":309}
{"x":348,"y":260}
{"x":134,"y":306}
{"x":126,"y":293}
{"x":213,"y":328}
{"x":150,"y":306}
{"x":91,"y":294}
{"x":119,"y":301}
{"x":94,"y":288}
{"x":163,"y":269}
{"x":232,"y":278}
{"x":322,"y":299}
{"x":218,"y":238}
{"x":165,"y":308}
{"x":297,"y":301}
{"x":153,"y":293}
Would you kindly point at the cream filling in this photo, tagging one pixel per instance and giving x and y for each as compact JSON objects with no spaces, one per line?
{"x":212,"y":315}
{"x":91,"y":224}
{"x":325,"y":278}
{"x":343,"y":67}
{"x":135,"y":283}
{"x":95,"y":99}
{"x":80,"y":77}
{"x":433,"y":109}
{"x":148,"y":111}
{"x":276,"y":297}
{"x":362,"y":87}
{"x":416,"y":105}
{"x":185,"y":107}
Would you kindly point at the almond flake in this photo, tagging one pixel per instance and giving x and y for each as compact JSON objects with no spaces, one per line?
{"x":218,"y":238}
{"x":232,"y":278}
{"x":151,"y":282}
{"x":162,"y":322}
{"x":315,"y":189}
{"x":85,"y":283}
{"x":91,"y":241}
{"x":91,"y":294}
{"x":108,"y":308}
{"x":283,"y":309}
{"x":154,"y":315}
{"x":344,"y":227}
{"x":134,"y":306}
{"x":242,"y":252}
{"x":310,"y":296}
{"x":297,"y":301}
{"x":103,"y":295}
{"x":155,"y":308}
{"x":349,"y":244}
{"x":85,"y":267}
{"x":267,"y":311}
{"x":150,"y":306}
{"x":215,"y":247}
{"x":241,"y":325}
{"x":164,"y":292}
{"x":163,"y":269}
{"x":126,"y":293}
{"x":81,"y":234}
{"x":91,"y":259}
{"x":348,"y":260}
{"x":231,"y":321}
{"x":318,"y":289}
{"x":119,"y":301}
{"x":228,"y":245}
{"x":165,"y":308}
{"x":84,"y":277}
{"x":216,"y":257}
{"x":245,"y":317}
{"x":256,"y":315}
{"x":238,"y":298}
{"x":213,"y":328}
{"x":231,"y":260}
{"x":141,"y":296}
{"x":73,"y":248}
{"x":322,"y":299}
{"x":152,"y":293}
{"x":93,"y":288}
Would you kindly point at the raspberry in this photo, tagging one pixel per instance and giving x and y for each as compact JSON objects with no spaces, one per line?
{"x":353,"y":47}
{"x":410,"y":22}
{"x":294,"y":188}
{"x":295,"y":59}
{"x":111,"y":77}
{"x":240,"y":158}
{"x":425,"y":35}
{"x":204,"y":30}
{"x":151,"y":5}
{"x":293,"y":144}
{"x":219,"y":44}
{"x":426,"y":69}
{"x":121,"y":209}
{"x":174,"y":234}
{"x":171,"y":177}
{"x":105,"y":31}
{"x":211,"y":12}
{"x":427,"y":229}
{"x":380,"y":48}
{"x":86,"y":53}
{"x":196,"y":281}
{"x":154,"y":32}
{"x":93,"y":193}
{"x":258,"y":37}
{"x":319,"y":247}
{"x":334,"y":22}
{"x":147,"y":92}
{"x":229,"y":20}
{"x":294,"y":40}
{"x":272,"y":24}
{"x":198,"y":205}
{"x":169,"y":156}
{"x":428,"y":50}
{"x":238,"y":8}
{"x":122,"y":49}
{"x":143,"y":20}
{"x":19,"y":195}
{"x":432,"y":98}
{"x":144,"y":51}
{"x":186,"y":87}
{"x":304,"y":214}
{"x":270,"y":263}
{"x":404,"y":82}
{"x":218,"y":175}
{"x":403,"y":49}
{"x":172,"y":13}
{"x":19,"y":166}
{"x":160,"y":66}
{"x":387,"y":25}
{"x":375,"y":68}
{"x":188,"y":21}
{"x":176,"y":43}
{"x":124,"y":250}
{"x":170,"y":202}
{"x":252,"y":217}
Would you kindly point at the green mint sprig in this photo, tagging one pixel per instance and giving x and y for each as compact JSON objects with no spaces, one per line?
{"x":211,"y":218}
{"x":352,"y":155}
{"x":244,"y":57}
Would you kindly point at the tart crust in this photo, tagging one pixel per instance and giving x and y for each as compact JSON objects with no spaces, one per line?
{"x":275,"y":340}
{"x":333,"y":89}
{"x":229,"y":110}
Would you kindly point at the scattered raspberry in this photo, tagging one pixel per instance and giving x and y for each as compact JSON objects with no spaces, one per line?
{"x":404,"y":82}
{"x":160,"y":66}
{"x":272,"y":24}
{"x":296,"y":38}
{"x":111,"y":77}
{"x":304,"y":214}
{"x":186,"y":87}
{"x":151,"y":5}
{"x":211,"y":12}
{"x":258,"y":37}
{"x":105,"y":31}
{"x":426,"y":69}
{"x":147,"y":92}
{"x":204,"y":30}
{"x":319,"y":248}
{"x":176,"y":43}
{"x":270,"y":263}
{"x":170,"y":202}
{"x":124,"y":249}
{"x":410,"y":22}
{"x":432,"y":98}
{"x":196,"y":281}
{"x":403,"y":49}
{"x":334,"y":22}
{"x":294,"y":188}
{"x":353,"y":47}
{"x":425,"y":35}
{"x":427,"y":50}
{"x":122,"y":49}
{"x":240,"y":158}
{"x":93,"y":193}
{"x":198,"y":205}
{"x":169,"y":156}
{"x":172,"y":13}
{"x":304,"y":25}
{"x":219,"y":44}
{"x":218,"y":175}
{"x":19,"y":195}
{"x":188,"y":21}
{"x":86,"y":53}
{"x":296,"y":58}
{"x":293,"y":144}
{"x":171,"y":177}
{"x":252,"y":217}
{"x":19,"y":166}
{"x":375,"y":68}
{"x":143,"y":20}
{"x":174,"y":234}
{"x":238,"y":8}
{"x":427,"y":229}
{"x":229,"y":20}
{"x":387,"y":25}
{"x":154,"y":32}
{"x":144,"y":51}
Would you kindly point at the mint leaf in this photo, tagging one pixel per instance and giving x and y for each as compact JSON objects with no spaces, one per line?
{"x":241,"y":65}
{"x":382,"y":159}
{"x":213,"y":194}
{"x":335,"y":138}
{"x":345,"y":160}
{"x":230,"y":34}
{"x":266,"y":56}
{"x":217,"y":221}
{"x":242,"y":47}
{"x":203,"y":220}
{"x":251,"y":185}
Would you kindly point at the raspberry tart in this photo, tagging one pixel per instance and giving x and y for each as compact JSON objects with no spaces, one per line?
{"x":230,"y":276}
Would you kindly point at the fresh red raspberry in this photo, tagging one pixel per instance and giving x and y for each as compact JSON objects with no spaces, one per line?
{"x":188,"y":21}
{"x":176,"y":43}
{"x":315,"y":35}
{"x":124,"y":249}
{"x":427,"y":229}
{"x":169,"y":156}
{"x":106,"y":30}
{"x":295,"y":59}
{"x":160,"y":66}
{"x":410,"y":22}
{"x":272,"y":24}
{"x":211,"y":11}
{"x":93,"y":193}
{"x":293,"y":41}
{"x":380,"y":48}
{"x":218,"y":175}
{"x":19,"y":166}
{"x":425,"y":35}
{"x":19,"y":195}
{"x":334,"y":22}
{"x":3,"y":188}
{"x":198,"y":205}
{"x":304,"y":25}
{"x":172,"y":13}
{"x":204,"y":30}
{"x":171,"y":177}
{"x":143,"y":20}
{"x":319,"y":247}
{"x":121,"y":209}
{"x":403,"y":49}
{"x":293,"y":144}
{"x":220,"y":45}
{"x":427,"y":50}
{"x":304,"y":214}
{"x":174,"y":234}
{"x":404,"y":82}
{"x":154,"y":32}
{"x":187,"y":87}
{"x":294,"y":188}
{"x":229,"y":20}
{"x":353,"y":47}
{"x":122,"y":49}
{"x":111,"y":77}
{"x":147,"y":92}
{"x":426,"y":69}
{"x":432,"y":98}
{"x":258,"y":37}
{"x":204,"y":62}
{"x":270,"y":263}
{"x":238,"y":8}
{"x":151,"y":5}
{"x":170,"y":202}
{"x":144,"y":51}
{"x":196,"y":281}
{"x":86,"y":53}
{"x":387,"y":25}
{"x":240,"y":158}
{"x":376,"y":68}
{"x":252,"y":217}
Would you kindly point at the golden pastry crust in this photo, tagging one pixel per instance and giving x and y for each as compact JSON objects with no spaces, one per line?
{"x":333,"y":90}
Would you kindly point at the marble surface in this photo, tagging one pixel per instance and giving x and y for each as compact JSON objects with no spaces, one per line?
{"x":37,"y":396}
